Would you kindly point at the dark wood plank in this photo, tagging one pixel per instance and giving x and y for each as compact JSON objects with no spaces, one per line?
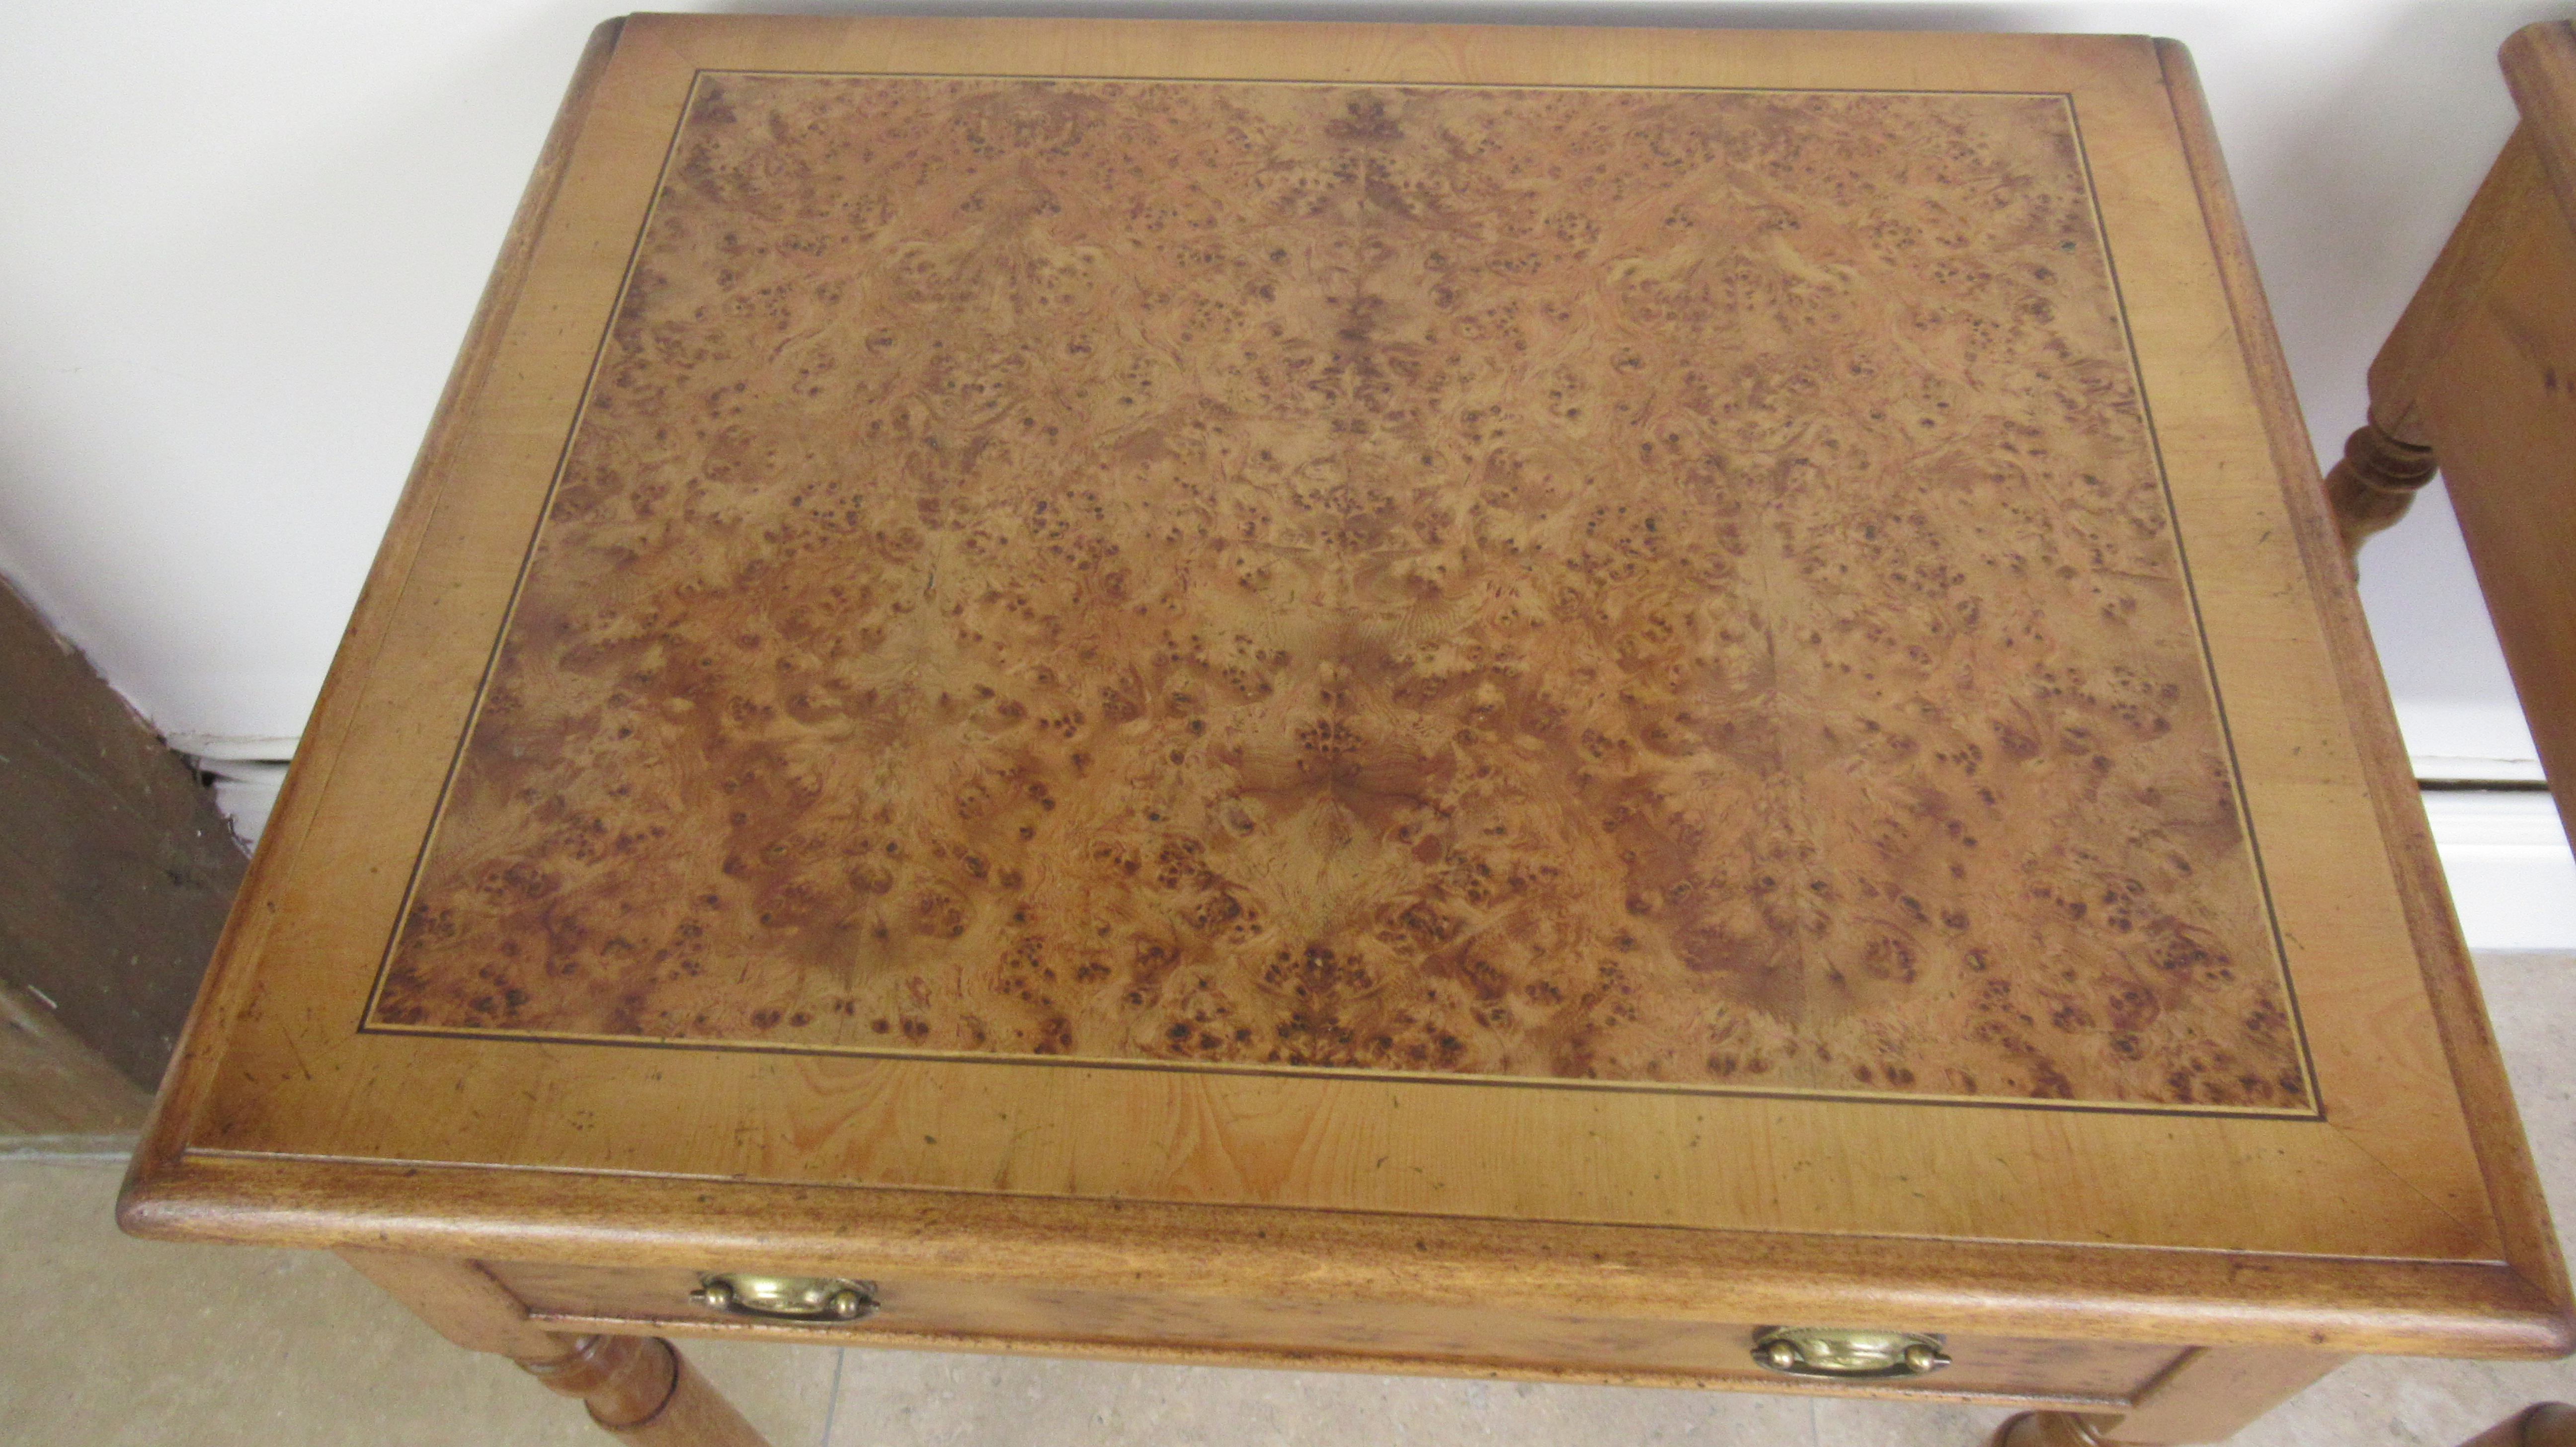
{"x":115,"y":868}
{"x":52,"y":1085}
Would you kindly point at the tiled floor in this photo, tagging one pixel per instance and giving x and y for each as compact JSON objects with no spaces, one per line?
{"x":112,"y":1342}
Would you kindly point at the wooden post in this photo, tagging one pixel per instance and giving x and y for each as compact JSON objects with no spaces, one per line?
{"x":53,"y":1087}
{"x":2375,"y":483}
{"x":2208,"y":1396}
{"x":639,"y":1389}
{"x":643,"y":1391}
{"x":115,"y":868}
{"x":2391,"y":457}
{"x":2546,"y":1424}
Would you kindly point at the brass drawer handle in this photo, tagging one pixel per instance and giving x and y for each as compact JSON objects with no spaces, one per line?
{"x":786,"y":1298}
{"x":1844,"y":1355}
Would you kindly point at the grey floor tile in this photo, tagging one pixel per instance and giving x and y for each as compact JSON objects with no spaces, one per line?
{"x":923,"y":1399}
{"x":1857,"y":1422}
{"x":785,"y":1391}
{"x":2532,"y":1000}
{"x":2409,"y":1402}
{"x":2414,"y":1402}
{"x":111,"y":1342}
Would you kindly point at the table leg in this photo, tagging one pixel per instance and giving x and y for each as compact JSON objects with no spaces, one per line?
{"x":640,"y":1389}
{"x":2208,"y":1396}
{"x":2375,"y":483}
{"x":2543,"y":1424}
{"x":2048,"y":1429}
{"x":643,"y":1391}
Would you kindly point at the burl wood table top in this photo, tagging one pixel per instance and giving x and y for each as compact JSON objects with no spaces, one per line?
{"x":1615,"y":585}
{"x":1657,"y":630}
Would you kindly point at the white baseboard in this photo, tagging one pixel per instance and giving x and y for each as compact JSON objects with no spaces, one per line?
{"x":2512,"y":876}
{"x":233,"y":746}
{"x":2464,"y":767}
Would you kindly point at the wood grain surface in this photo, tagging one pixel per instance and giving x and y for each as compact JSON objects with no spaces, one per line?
{"x":2210,"y":1395}
{"x":2474,"y":377}
{"x":2393,"y":1211}
{"x":115,"y":866}
{"x":52,"y":1084}
{"x":2191,"y":1297}
{"x":954,"y":1316}
{"x":2543,"y":1424}
{"x":1633,"y":585}
{"x":2493,"y":394}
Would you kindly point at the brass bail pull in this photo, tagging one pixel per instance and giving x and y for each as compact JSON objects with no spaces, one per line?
{"x":786,"y":1298}
{"x":1845,"y":1354}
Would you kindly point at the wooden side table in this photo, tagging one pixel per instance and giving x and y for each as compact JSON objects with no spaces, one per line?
{"x":1669,"y":707}
{"x":2476,"y":380}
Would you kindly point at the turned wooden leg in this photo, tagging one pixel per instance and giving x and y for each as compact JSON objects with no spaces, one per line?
{"x":2047,"y":1429}
{"x":2549,"y":1424}
{"x":637,"y":1387}
{"x":2375,"y":483}
{"x":2206,"y":1396}
{"x":643,"y":1391}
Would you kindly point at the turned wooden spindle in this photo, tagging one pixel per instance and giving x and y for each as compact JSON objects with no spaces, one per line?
{"x":2046,"y":1429}
{"x":642,"y":1391}
{"x":2375,"y":483}
{"x":2547,"y":1424}
{"x":638,"y":1388}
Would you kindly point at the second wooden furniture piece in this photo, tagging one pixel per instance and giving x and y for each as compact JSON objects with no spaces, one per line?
{"x":1626,"y":706}
{"x":2479,"y":380}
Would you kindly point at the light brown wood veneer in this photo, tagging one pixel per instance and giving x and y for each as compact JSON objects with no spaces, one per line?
{"x":293,"y":1078}
{"x":941,"y":1315}
{"x":606,"y":535}
{"x":1635,"y":585}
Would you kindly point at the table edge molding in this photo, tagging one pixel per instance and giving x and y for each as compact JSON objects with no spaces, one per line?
{"x":2067,"y":1291}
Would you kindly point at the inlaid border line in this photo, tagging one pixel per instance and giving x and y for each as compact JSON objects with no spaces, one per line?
{"x":2200,"y":629}
{"x":536,"y":535}
{"x":1332,"y":1072}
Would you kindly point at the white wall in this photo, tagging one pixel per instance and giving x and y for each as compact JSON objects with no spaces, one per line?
{"x":239,"y":243}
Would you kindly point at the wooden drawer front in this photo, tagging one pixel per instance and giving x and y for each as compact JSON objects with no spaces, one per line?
{"x":969,"y":1316}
